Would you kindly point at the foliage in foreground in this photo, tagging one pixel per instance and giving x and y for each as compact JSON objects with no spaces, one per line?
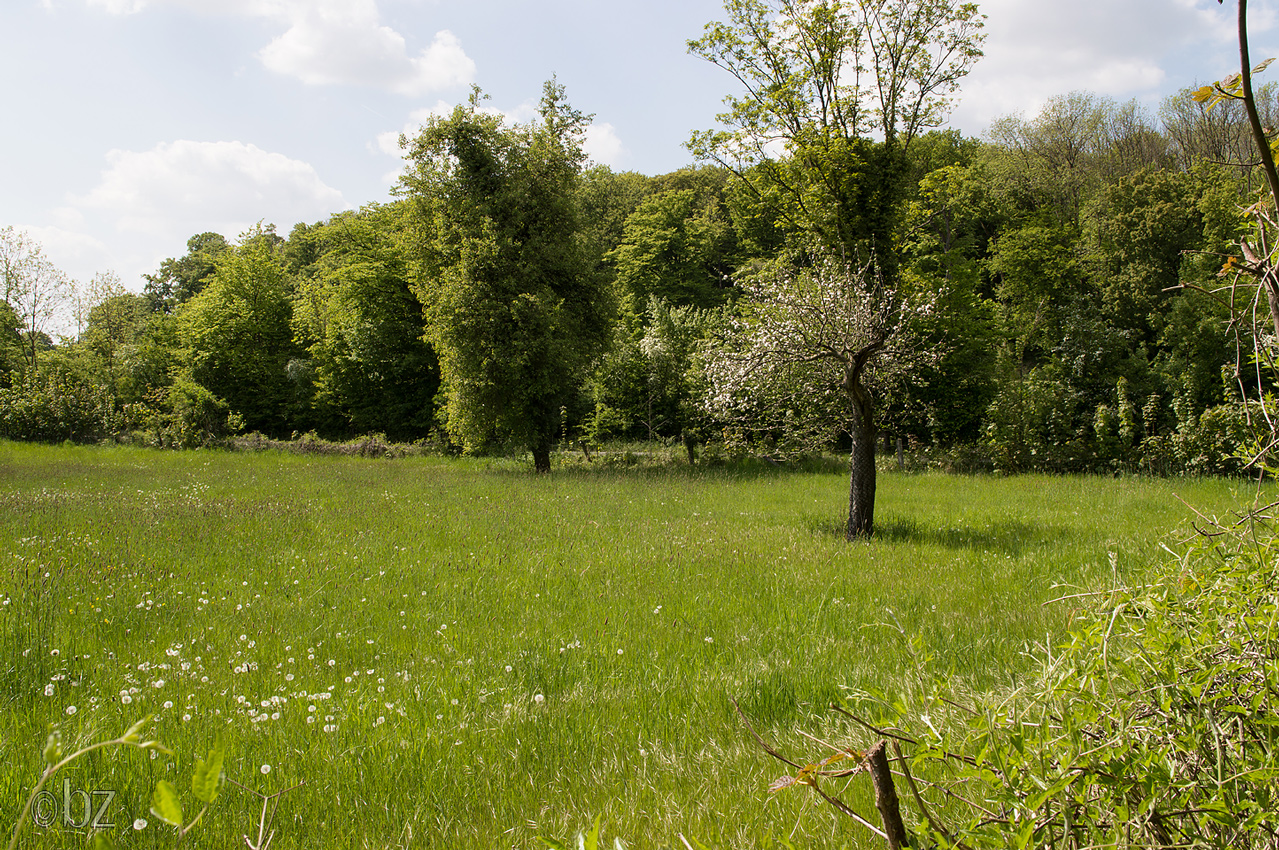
{"x":1153,"y":726}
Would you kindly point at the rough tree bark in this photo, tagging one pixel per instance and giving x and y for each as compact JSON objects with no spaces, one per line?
{"x":861,"y":475}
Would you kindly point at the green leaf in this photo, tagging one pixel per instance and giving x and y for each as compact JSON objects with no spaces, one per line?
{"x":552,"y":843}
{"x":135,"y":731}
{"x":53,"y":748}
{"x":157,"y":746}
{"x":101,"y":841}
{"x":165,"y":805}
{"x":208,"y":775}
{"x":590,"y":841}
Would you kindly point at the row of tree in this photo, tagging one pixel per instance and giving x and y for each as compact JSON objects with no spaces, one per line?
{"x":838,"y":269}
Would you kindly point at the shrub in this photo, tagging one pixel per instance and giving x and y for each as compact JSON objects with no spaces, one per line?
{"x":1030,"y":426}
{"x":1152,"y":726}
{"x":187,"y":415}
{"x":1209,"y":443}
{"x":59,"y":407}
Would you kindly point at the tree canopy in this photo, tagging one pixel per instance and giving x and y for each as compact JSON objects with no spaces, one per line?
{"x":516,"y":309}
{"x":514,"y":295}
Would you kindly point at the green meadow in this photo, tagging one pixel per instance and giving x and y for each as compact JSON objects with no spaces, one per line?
{"x":460,"y":653}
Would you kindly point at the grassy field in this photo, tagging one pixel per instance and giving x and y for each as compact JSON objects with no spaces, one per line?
{"x":456,"y":653}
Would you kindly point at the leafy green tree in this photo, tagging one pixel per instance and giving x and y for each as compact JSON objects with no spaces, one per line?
{"x":10,"y":344}
{"x":1151,"y":219}
{"x":606,"y":199}
{"x":149,"y":365}
{"x":362,"y":327}
{"x":1037,"y":274}
{"x":648,"y":385}
{"x":517,"y":309}
{"x":819,"y":79}
{"x":179,"y":280}
{"x":947,"y":231}
{"x":1051,"y":166}
{"x":1220,"y":133}
{"x":677,"y":248}
{"x":113,"y":326}
{"x":237,"y":334}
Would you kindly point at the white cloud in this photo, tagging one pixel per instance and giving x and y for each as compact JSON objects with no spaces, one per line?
{"x":319,"y":50}
{"x":183,"y":187}
{"x":1120,"y":50}
{"x":115,"y":7}
{"x":603,"y":145}
{"x":328,"y":42}
{"x":389,"y":142}
{"x":71,"y":251}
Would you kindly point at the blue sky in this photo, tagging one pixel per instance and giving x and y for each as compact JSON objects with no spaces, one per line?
{"x":129,"y":125}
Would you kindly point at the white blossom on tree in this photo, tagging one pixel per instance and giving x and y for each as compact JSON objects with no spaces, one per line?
{"x":805,"y":359}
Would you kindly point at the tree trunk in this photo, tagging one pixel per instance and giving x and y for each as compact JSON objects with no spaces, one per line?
{"x":542,"y":458}
{"x":861,"y":484}
{"x":690,"y":446}
{"x":881,"y":777}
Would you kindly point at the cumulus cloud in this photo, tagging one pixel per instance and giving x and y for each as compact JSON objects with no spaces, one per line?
{"x":603,"y":145}
{"x":115,"y":7}
{"x":186,"y":186}
{"x":1035,"y":51}
{"x":328,"y":42}
{"x":322,"y":50}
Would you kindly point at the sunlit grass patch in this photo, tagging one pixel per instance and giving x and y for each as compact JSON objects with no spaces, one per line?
{"x":470,"y":655}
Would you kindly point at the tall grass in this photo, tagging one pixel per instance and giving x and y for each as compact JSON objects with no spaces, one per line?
{"x":458,"y":653}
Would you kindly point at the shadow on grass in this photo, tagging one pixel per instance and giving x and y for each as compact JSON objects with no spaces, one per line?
{"x":1007,"y":537}
{"x":672,"y":465}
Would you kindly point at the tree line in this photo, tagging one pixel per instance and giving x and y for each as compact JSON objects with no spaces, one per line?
{"x":1049,"y":297}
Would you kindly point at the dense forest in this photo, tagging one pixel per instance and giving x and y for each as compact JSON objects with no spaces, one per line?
{"x":1070,"y":310}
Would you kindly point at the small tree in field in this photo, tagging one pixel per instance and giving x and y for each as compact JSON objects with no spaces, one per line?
{"x":832,"y":95}
{"x":805,"y":359}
